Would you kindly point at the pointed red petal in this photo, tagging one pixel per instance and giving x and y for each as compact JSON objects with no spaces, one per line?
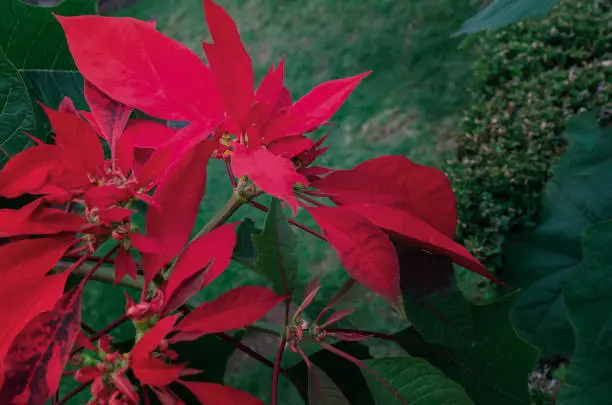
{"x":272,"y":84}
{"x":30,"y":258}
{"x":83,"y":340}
{"x":33,"y":219}
{"x":143,"y":63}
{"x":149,"y":370}
{"x":291,"y":146}
{"x":365,"y":251}
{"x":40,"y":170}
{"x":140,"y":140}
{"x":217,"y":394}
{"x":235,"y":309}
{"x":67,"y":106}
{"x":146,"y":244}
{"x":173,"y":151}
{"x":34,"y":363}
{"x":110,"y":115}
{"x":322,"y":102}
{"x":397,"y":182}
{"x":115,"y":214}
{"x":273,"y":174}
{"x":338,"y":315}
{"x":216,"y":247}
{"x":124,"y":265}
{"x":421,"y":234}
{"x":229,"y":62}
{"x":105,"y":196}
{"x":78,"y":137}
{"x":172,"y":223}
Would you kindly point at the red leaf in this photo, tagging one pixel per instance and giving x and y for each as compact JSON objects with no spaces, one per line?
{"x":150,"y":370}
{"x":40,"y":170}
{"x":78,"y":137}
{"x":421,"y":234}
{"x":124,"y":265}
{"x":216,"y":246}
{"x":26,"y":299}
{"x":217,"y":394}
{"x":33,"y":365}
{"x":273,"y":174}
{"x":30,"y":258}
{"x":291,"y":146}
{"x":33,"y":219}
{"x":173,"y":151}
{"x":229,"y":62}
{"x":83,"y":340}
{"x":110,"y":116}
{"x":322,"y":102}
{"x":365,"y":251}
{"x":271,"y":86}
{"x":235,"y":309}
{"x":107,"y":195}
{"x":148,"y":134}
{"x":145,"y":244}
{"x":143,"y":63}
{"x":397,"y":182}
{"x":286,"y":125}
{"x":172,"y":223}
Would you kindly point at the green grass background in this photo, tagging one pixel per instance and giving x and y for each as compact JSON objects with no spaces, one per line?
{"x":409,"y":106}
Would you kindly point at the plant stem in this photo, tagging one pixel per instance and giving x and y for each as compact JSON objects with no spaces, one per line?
{"x":105,"y":273}
{"x":246,"y":349}
{"x":234,"y":202}
{"x":303,"y":227}
{"x":279,"y":355}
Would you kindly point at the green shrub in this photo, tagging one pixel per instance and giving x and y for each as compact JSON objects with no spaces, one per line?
{"x":530,"y":78}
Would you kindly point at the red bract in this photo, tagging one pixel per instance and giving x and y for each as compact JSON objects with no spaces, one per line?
{"x":223,"y":94}
{"x":34,"y":363}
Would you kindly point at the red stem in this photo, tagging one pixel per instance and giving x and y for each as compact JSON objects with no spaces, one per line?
{"x":74,"y":392}
{"x":87,"y":329}
{"x":246,"y":349}
{"x":279,"y":355}
{"x":76,"y":264}
{"x":303,"y":227}
{"x":103,"y":332}
{"x":310,"y":200}
{"x":100,"y":263}
{"x":230,"y":174}
{"x":89,"y":259}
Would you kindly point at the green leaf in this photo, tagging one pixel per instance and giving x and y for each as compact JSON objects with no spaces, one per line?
{"x":16,"y":113}
{"x":32,"y":38}
{"x":245,"y":252}
{"x":588,"y":298}
{"x":345,"y":374}
{"x":444,"y":317}
{"x":277,"y":251}
{"x":495,"y":369}
{"x":540,"y":261}
{"x":417,"y":381}
{"x":503,"y":12}
{"x":322,"y":390}
{"x":34,"y":43}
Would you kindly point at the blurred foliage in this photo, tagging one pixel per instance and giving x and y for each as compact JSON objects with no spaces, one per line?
{"x":530,"y":78}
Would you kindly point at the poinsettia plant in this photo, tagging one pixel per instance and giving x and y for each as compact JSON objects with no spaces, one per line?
{"x":390,"y":221}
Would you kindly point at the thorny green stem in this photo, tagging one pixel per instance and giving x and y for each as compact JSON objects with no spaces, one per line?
{"x":279,"y":354}
{"x":303,"y":227}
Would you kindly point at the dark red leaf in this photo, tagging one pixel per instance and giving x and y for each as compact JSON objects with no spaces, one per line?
{"x":365,"y":251}
{"x":143,"y":63}
{"x":229,"y":62}
{"x":419,"y":232}
{"x":235,"y":309}
{"x":150,"y":370}
{"x":212,"y":251}
{"x":217,"y":394}
{"x":291,"y":146}
{"x":172,"y":223}
{"x":273,"y":174}
{"x":34,"y":363}
{"x":397,"y":182}
{"x":26,"y":298}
